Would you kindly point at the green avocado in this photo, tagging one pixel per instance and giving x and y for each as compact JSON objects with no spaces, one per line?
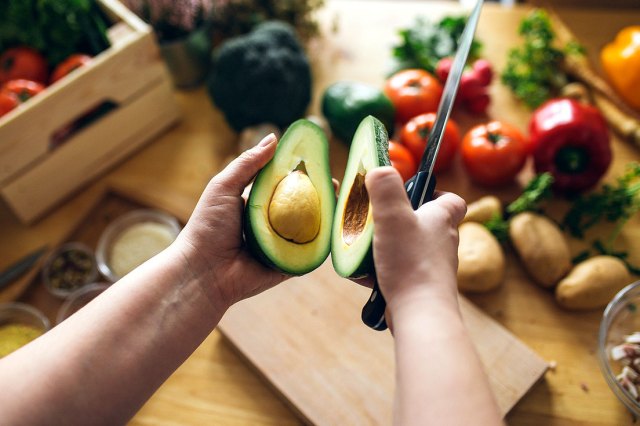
{"x":290,"y":208}
{"x":352,"y":233}
{"x":345,"y":104}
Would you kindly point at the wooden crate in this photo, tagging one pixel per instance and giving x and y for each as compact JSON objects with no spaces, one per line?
{"x":34,"y":176}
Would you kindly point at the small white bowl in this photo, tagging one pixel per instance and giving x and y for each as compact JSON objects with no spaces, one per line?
{"x":121,"y":224}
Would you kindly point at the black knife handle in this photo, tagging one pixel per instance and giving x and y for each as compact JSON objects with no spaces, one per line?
{"x":373,"y":310}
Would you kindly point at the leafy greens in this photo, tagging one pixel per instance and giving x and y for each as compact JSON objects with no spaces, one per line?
{"x":424,"y":43}
{"x":56,"y":28}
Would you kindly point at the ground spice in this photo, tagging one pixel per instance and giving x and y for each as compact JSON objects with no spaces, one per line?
{"x":13,"y":336}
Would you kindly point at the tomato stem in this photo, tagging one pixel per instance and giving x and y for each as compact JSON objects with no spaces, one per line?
{"x":494,"y":137}
{"x":571,"y":159}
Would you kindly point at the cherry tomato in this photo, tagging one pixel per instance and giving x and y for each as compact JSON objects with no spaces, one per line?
{"x":70,"y":64}
{"x":402,"y":160}
{"x":413,"y":92}
{"x":23,"y":89}
{"x":8,"y":101}
{"x":494,"y":153}
{"x":23,"y":62}
{"x":415,"y":133}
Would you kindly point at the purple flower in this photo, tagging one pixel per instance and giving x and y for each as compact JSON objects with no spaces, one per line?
{"x":172,"y":18}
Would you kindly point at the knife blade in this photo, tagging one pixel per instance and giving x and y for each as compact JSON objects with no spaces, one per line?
{"x":421,"y":186}
{"x":15,"y":271}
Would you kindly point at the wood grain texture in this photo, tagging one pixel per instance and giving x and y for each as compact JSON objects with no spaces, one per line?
{"x":306,"y":338}
{"x":215,"y":385}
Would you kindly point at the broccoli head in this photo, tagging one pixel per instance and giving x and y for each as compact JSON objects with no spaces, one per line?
{"x":261,"y":77}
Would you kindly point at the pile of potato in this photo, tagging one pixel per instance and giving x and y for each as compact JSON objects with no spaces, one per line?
{"x":544,"y":253}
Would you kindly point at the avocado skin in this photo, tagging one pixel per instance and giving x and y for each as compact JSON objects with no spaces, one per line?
{"x":252,"y":243}
{"x":366,"y":267}
{"x":345,"y":104}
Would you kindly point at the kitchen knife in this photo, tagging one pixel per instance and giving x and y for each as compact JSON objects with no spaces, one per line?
{"x":14,"y":271}
{"x":421,"y":186}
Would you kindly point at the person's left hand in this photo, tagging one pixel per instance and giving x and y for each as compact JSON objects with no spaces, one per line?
{"x":211,"y":243}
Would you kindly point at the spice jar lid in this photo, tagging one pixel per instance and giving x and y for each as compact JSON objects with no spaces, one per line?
{"x":68,"y":268}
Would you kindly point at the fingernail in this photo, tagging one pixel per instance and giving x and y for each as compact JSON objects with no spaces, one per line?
{"x":267,"y":140}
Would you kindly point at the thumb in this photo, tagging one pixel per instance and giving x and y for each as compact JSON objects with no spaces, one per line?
{"x":238,"y":174}
{"x":389,"y":201}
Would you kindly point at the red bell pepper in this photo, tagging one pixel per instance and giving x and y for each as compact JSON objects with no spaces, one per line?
{"x":571,"y":141}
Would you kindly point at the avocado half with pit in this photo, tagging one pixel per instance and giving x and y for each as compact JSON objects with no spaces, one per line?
{"x":352,"y":234}
{"x":291,"y":204}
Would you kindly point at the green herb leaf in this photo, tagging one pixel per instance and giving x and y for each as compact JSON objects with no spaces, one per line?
{"x":424,"y":43}
{"x":622,"y":255}
{"x":580,"y":257}
{"x":499,"y":227}
{"x":56,"y":28}
{"x":537,"y":190}
{"x":532,"y":70}
{"x":613,"y":203}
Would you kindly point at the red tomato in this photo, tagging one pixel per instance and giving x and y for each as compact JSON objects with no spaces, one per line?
{"x":402,"y":160}
{"x":70,"y":64}
{"x":415,"y":133}
{"x":494,"y":153}
{"x":23,"y":62}
{"x":413,"y":92}
{"x":23,"y":89}
{"x":8,"y":101}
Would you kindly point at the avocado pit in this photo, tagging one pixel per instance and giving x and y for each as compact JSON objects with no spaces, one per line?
{"x":294,"y":210}
{"x":355,"y":211}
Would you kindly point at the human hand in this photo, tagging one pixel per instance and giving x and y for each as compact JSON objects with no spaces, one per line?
{"x":211,"y":244}
{"x":416,"y":253}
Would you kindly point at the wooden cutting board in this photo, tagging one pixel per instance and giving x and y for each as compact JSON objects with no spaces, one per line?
{"x":307,"y":340}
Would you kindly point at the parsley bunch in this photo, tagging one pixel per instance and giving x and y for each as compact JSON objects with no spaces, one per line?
{"x":533,"y":69}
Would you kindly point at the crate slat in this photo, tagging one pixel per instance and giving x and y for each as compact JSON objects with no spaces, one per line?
{"x":132,"y":74}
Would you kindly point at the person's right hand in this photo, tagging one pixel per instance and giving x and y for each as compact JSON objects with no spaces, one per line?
{"x":415,"y":252}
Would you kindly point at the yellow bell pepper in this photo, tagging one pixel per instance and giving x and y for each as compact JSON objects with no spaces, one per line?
{"x":621,"y":63}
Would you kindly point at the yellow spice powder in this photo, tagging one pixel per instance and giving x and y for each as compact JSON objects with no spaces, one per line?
{"x":13,"y":336}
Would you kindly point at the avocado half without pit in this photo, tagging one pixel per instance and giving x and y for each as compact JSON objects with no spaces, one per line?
{"x":352,"y":234}
{"x":292,"y":219}
{"x":291,"y":204}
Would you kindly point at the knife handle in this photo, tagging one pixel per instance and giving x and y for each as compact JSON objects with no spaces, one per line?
{"x":373,"y":310}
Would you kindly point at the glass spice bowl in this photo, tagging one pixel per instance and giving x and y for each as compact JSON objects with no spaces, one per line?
{"x":621,"y":318}
{"x":116,"y":230}
{"x":79,"y":298}
{"x":19,"y":324}
{"x":69,"y":267}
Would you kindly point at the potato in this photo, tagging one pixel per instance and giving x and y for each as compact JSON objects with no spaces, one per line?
{"x":593,"y":283}
{"x":481,"y":263}
{"x":541,"y":246}
{"x":483,"y":209}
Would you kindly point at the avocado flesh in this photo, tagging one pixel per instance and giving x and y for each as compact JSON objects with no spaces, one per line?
{"x":290,"y":185}
{"x":352,"y":233}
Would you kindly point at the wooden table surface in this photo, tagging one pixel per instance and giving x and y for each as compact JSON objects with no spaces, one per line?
{"x":215,"y":386}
